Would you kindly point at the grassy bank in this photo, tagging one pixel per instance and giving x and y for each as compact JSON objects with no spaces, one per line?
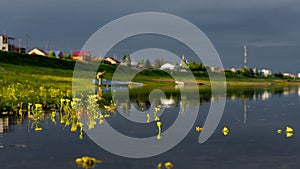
{"x":34,"y":69}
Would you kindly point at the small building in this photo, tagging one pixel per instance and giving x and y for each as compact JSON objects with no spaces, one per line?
{"x":288,"y":75}
{"x":37,"y":51}
{"x":81,"y":56}
{"x":233,"y":70}
{"x":112,"y":61}
{"x":266,"y":72}
{"x":6,"y":43}
{"x":168,"y":66}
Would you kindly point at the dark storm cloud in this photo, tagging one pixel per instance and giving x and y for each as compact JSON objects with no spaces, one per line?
{"x":270,"y":28}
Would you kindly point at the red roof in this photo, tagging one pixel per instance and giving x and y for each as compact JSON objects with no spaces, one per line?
{"x":81,"y":53}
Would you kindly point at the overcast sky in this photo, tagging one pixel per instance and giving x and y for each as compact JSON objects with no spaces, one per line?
{"x":270,"y":28}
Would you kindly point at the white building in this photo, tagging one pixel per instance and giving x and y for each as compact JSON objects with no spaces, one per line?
{"x":167,"y":66}
{"x":266,"y":72}
{"x":6,"y":43}
{"x":288,"y":75}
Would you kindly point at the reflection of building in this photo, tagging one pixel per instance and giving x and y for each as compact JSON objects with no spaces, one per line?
{"x":4,"y":125}
{"x":167,"y":102}
{"x":245,"y":111}
{"x":266,"y":95}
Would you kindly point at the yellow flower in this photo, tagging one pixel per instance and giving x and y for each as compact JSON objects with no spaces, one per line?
{"x":157,"y":118}
{"x":289,"y":132}
{"x":289,"y":129}
{"x":159,"y":166}
{"x":279,"y":131}
{"x":225,"y":131}
{"x":74,"y":127}
{"x":198,"y":129}
{"x":158,"y":124}
{"x":289,"y":135}
{"x":87,"y":162}
{"x":148,"y":118}
{"x":168,"y":165}
{"x":38,"y":129}
{"x":106,"y":115}
{"x":38,"y":105}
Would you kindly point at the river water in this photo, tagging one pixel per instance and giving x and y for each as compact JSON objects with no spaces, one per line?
{"x":252,"y":114}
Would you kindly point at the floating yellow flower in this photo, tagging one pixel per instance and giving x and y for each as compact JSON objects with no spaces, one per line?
{"x":148,"y":118}
{"x":225,"y":131}
{"x":87,"y":162}
{"x":168,"y":165}
{"x":159,"y":166}
{"x":38,"y":129}
{"x":289,"y":135}
{"x":159,"y":124}
{"x":198,"y":129}
{"x":289,"y":129}
{"x":74,"y":127}
{"x":106,"y":115}
{"x":289,"y":132}
{"x":157,"y":118}
{"x":279,"y":131}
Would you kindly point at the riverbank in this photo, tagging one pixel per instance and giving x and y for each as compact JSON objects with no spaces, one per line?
{"x":52,"y":72}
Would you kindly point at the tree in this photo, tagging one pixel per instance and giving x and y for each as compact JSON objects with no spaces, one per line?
{"x":157,"y":63}
{"x":67,"y":56}
{"x":141,"y":62}
{"x":247,"y":72}
{"x":197,"y":66}
{"x":51,"y":54}
{"x":147,"y":64}
{"x":279,"y":75}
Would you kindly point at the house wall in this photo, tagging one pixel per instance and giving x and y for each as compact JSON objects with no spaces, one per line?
{"x":3,"y":46}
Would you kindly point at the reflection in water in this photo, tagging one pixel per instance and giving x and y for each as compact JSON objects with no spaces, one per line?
{"x":68,"y":112}
{"x":4,"y":125}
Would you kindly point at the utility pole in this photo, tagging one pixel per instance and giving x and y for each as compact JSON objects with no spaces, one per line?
{"x":20,"y":45}
{"x":47,"y":45}
{"x":26,"y":42}
{"x":245,"y":56}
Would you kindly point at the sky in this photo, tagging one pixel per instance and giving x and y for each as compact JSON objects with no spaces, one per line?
{"x":269,"y":28}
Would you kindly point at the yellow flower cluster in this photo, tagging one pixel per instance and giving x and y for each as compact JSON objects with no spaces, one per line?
{"x":87,"y":162}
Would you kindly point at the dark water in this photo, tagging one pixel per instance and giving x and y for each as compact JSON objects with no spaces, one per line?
{"x":253,"y":116}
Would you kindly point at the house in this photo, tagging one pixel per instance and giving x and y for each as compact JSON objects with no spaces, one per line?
{"x":289,"y":75}
{"x":81,"y":56}
{"x":58,"y":54}
{"x":167,"y":66}
{"x":37,"y":51}
{"x":112,"y":61}
{"x":6,"y":43}
{"x":266,"y":72}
